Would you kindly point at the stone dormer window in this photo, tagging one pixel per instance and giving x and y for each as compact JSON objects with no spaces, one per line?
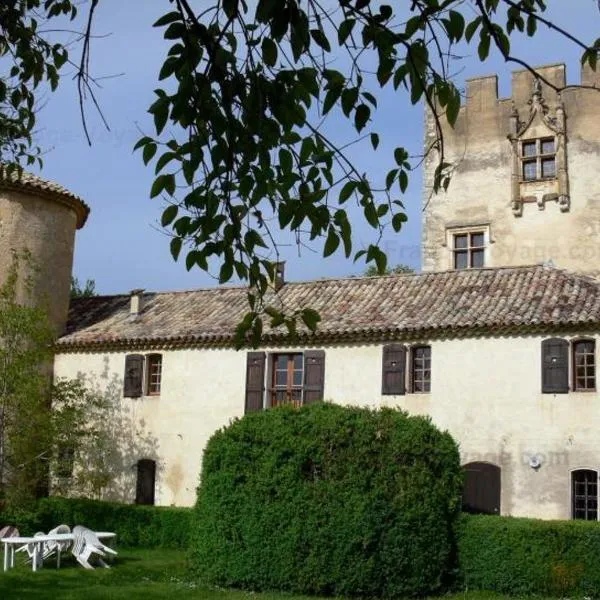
{"x":539,"y":169}
{"x":538,"y":159}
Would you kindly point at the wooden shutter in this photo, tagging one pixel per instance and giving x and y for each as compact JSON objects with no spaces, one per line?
{"x":555,"y":366}
{"x":314,"y":375}
{"x":255,"y":381}
{"x":394,"y":370}
{"x":134,"y":373}
{"x":146,"y":480}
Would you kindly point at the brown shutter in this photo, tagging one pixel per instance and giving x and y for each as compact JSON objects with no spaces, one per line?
{"x":555,"y":366}
{"x":314,"y":375}
{"x":134,"y":373}
{"x":255,"y":381}
{"x":394,"y":365}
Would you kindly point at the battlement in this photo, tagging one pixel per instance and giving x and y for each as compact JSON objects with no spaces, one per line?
{"x":482,"y":92}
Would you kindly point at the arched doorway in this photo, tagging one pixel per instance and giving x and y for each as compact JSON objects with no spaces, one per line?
{"x":146,"y":479}
{"x":481,"y":489}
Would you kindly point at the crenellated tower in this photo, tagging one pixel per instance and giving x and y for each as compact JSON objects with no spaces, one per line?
{"x":525,"y":187}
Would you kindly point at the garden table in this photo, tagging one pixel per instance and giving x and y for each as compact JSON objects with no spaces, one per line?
{"x":38,"y":541}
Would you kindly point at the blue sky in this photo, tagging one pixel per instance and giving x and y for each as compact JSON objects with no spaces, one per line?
{"x":122,"y":246}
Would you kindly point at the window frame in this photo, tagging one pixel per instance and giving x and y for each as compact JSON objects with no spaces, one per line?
{"x":574,"y":385}
{"x":572,"y":473}
{"x":470,"y":248}
{"x":538,"y":158}
{"x":424,"y":369}
{"x":148,"y":383}
{"x":290,"y":387}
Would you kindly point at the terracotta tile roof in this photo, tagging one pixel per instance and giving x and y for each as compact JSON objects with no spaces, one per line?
{"x":32,"y":183}
{"x":451,"y":303}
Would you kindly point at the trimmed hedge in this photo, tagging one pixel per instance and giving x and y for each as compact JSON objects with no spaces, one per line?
{"x":330,"y":500}
{"x":529,"y":556}
{"x":143,"y":526}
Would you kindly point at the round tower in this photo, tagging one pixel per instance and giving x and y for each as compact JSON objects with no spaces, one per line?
{"x":40,"y":217}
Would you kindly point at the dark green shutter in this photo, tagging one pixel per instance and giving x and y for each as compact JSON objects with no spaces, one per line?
{"x":314,"y":375}
{"x":255,"y":381}
{"x":394,"y":370}
{"x":555,"y":366}
{"x":134,"y":374}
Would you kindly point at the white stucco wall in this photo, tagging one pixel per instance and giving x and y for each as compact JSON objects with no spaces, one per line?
{"x":486,"y":392}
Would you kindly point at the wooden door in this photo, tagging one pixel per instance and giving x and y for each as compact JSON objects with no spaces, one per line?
{"x":146,"y":479}
{"x":481,"y":490}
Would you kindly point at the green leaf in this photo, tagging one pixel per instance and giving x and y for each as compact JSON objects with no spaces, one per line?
{"x":453,"y":106}
{"x":285,"y":160}
{"x":269,"y":51}
{"x":331,"y":243}
{"x":169,"y":215}
{"x":397,"y":221}
{"x":145,"y":140}
{"x":170,"y":17}
{"x":149,"y":152}
{"x":349,"y":98}
{"x":472,"y":28}
{"x":226,"y":272}
{"x":403,"y":180}
{"x":361,"y":116}
{"x":176,"y":247}
{"x":531,"y":25}
{"x":157,"y":186}
{"x":345,"y":30}
{"x":347,"y":190}
{"x":165,"y":159}
{"x":310,"y":318}
{"x":331,"y":98}
{"x":321,"y":39}
{"x":484,"y":45}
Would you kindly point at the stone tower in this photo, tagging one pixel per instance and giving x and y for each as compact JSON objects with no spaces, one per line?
{"x":41,"y":217}
{"x":525,"y":187}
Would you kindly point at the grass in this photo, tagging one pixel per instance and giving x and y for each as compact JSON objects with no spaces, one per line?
{"x":137,"y":574}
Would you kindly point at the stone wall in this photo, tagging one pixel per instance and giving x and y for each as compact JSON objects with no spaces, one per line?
{"x":485,"y":391}
{"x":525,"y":222}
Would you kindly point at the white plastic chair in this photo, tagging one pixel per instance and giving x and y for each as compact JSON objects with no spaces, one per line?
{"x":53,"y":546}
{"x":86,"y":543}
{"x":30,"y":549}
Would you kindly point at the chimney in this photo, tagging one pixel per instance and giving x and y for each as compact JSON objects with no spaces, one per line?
{"x":136,"y":303}
{"x":279,"y":275}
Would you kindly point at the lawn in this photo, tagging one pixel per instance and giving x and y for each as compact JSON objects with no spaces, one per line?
{"x":143,"y":574}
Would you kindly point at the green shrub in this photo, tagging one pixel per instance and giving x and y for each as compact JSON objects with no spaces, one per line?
{"x":143,"y":526}
{"x":529,"y":556}
{"x":328,"y":500}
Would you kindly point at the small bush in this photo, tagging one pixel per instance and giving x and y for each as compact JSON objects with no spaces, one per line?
{"x":328,"y":500}
{"x":529,"y":556}
{"x":143,"y":526}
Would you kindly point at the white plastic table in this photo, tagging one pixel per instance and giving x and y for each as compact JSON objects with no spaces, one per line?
{"x":11,"y":542}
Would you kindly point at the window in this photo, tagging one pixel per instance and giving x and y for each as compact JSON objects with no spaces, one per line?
{"x":65,"y":463}
{"x":288,"y":379}
{"x":584,"y":495}
{"x":538,"y":158}
{"x":153,"y":374}
{"x":584,"y":366}
{"x":143,"y":375}
{"x":421,"y":369}
{"x":469,"y":250}
{"x":291,"y":378}
{"x":555,"y":366}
